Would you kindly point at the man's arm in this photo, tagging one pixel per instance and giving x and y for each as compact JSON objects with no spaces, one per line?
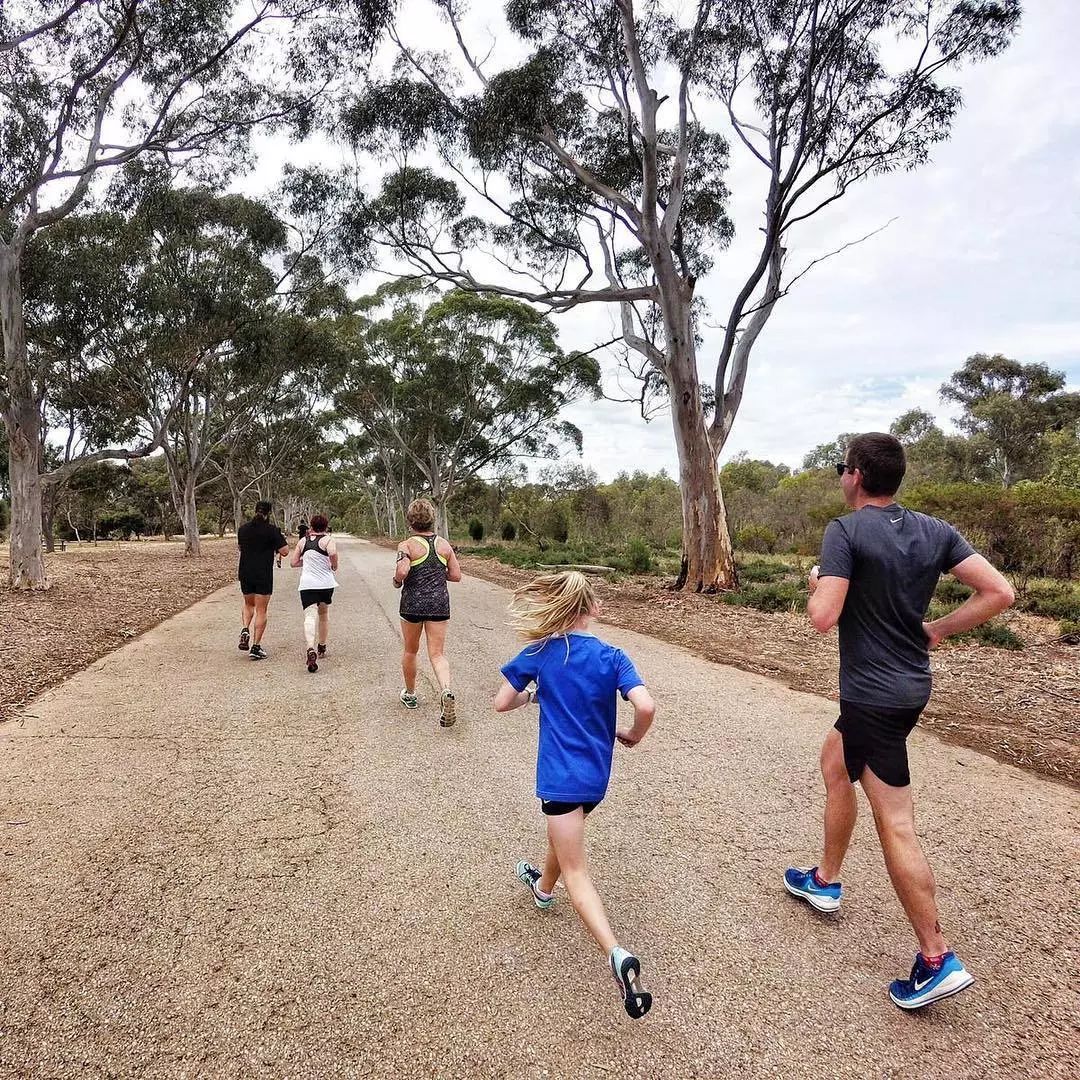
{"x":827,"y":596}
{"x":993,"y":594}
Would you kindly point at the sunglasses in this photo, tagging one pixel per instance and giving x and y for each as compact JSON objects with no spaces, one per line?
{"x":843,"y":467}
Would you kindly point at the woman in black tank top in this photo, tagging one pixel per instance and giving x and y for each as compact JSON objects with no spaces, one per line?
{"x":425,"y":563}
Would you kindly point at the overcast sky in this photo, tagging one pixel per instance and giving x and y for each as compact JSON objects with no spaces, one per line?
{"x":982,"y":257}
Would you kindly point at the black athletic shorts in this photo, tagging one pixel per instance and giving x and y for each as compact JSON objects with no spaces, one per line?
{"x":425,"y":618}
{"x":557,"y":809}
{"x":257,"y":586}
{"x":316,"y":596}
{"x":876,"y":738}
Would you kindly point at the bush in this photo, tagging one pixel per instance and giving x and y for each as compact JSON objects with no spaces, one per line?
{"x":761,"y":570}
{"x":509,"y":530}
{"x":951,"y":591}
{"x":757,"y":538}
{"x":476,"y":530}
{"x":1070,"y":628}
{"x":5,"y":517}
{"x":994,"y":634}
{"x":1055,"y":600}
{"x":776,"y":596}
{"x":639,"y":556}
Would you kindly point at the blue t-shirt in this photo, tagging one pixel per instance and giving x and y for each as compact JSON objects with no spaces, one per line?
{"x":577,"y":678}
{"x":893,"y":559}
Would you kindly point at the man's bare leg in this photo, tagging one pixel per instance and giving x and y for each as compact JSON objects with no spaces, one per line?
{"x":841,"y":806}
{"x":910,"y":873}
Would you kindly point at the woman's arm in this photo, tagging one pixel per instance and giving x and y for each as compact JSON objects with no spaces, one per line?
{"x":453,"y":567}
{"x":404,"y":563}
{"x":331,"y":550}
{"x":296,"y":561}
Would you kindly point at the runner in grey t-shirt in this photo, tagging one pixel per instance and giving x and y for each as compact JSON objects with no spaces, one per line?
{"x":879,"y":568}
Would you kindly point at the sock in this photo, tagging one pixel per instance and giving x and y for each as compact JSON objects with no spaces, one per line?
{"x":540,"y":893}
{"x":819,"y":880}
{"x":934,"y":962}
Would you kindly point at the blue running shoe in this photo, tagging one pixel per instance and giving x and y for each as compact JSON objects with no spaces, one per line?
{"x":927,"y":985}
{"x":801,"y":882}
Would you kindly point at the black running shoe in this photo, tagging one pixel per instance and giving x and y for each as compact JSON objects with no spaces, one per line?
{"x":258,"y":652}
{"x":312,"y":661}
{"x":245,"y":640}
{"x":322,"y":650}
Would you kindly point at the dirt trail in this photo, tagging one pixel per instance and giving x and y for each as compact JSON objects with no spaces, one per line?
{"x":212,"y":867}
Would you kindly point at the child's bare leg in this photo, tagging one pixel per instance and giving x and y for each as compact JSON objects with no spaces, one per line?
{"x":566,"y":835}
{"x":552,"y":870}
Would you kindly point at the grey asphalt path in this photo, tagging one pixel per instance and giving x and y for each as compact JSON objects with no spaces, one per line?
{"x":214,"y":867}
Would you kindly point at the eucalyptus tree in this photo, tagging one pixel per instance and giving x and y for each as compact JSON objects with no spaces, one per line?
{"x":591,"y":171}
{"x":89,"y":85}
{"x":461,"y":387}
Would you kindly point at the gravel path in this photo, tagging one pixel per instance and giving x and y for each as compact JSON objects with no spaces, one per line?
{"x":212,"y":867}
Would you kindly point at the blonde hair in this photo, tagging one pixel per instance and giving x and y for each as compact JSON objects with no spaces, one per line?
{"x":552,"y":604}
{"x":420,"y":515}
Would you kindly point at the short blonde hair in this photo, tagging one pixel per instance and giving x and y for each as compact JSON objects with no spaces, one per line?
{"x":420,"y":515}
{"x":552,"y":604}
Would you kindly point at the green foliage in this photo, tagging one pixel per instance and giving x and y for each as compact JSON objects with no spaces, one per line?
{"x":5,"y":516}
{"x":639,"y":556}
{"x":476,"y":530}
{"x":1070,"y":628}
{"x":759,"y":570}
{"x":1055,"y":600}
{"x":994,"y":635}
{"x":508,"y":530}
{"x":951,"y":591}
{"x":759,"y":538}
{"x":769,"y":596}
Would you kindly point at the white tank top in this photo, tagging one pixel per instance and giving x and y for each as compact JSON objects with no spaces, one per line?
{"x":315,"y":572}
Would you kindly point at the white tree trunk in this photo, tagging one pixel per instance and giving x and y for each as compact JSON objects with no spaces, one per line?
{"x":22,"y":419}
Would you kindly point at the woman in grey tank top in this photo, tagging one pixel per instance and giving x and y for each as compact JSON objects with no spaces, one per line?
{"x":425,"y":563}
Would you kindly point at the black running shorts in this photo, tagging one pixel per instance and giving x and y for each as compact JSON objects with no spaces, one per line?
{"x":316,"y":596}
{"x":257,"y":586}
{"x":425,"y":618}
{"x":876,"y":738}
{"x":557,"y":809}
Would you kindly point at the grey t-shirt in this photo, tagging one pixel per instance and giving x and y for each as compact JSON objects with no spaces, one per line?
{"x":893,"y":559}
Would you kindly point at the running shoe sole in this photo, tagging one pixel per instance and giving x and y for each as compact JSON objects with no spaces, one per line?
{"x":245,"y":642}
{"x":825,"y":904}
{"x":409,"y":703}
{"x":952,"y":984}
{"x":312,"y":661}
{"x":449,"y":711}
{"x":636,"y":1001}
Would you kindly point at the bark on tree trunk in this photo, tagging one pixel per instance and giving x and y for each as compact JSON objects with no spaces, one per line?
{"x":48,"y":515}
{"x":238,"y":510}
{"x":22,"y":418}
{"x":708,"y":562}
{"x":190,"y":517}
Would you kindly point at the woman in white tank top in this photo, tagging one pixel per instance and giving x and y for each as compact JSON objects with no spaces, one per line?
{"x":316,"y":557}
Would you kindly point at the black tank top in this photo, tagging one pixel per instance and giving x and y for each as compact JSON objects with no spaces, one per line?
{"x":424,"y":594}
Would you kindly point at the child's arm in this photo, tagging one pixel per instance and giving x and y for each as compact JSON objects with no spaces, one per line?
{"x":508,"y":698}
{"x":644,"y":711}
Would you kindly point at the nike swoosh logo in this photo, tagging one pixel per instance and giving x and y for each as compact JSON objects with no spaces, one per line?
{"x":895,"y":520}
{"x":925,"y":982}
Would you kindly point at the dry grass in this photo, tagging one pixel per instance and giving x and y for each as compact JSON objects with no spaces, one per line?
{"x":99,"y":597}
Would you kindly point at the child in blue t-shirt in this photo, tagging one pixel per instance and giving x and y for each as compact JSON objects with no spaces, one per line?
{"x":577,"y":678}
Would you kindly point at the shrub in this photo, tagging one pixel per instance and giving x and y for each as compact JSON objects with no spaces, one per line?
{"x":639,"y":556}
{"x":996,"y":635}
{"x":476,"y":530}
{"x":951,"y":591}
{"x":758,"y":538}
{"x":761,"y":570}
{"x":1070,"y":628}
{"x":509,"y":531}
{"x":773,"y":596}
{"x":1057,"y":600}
